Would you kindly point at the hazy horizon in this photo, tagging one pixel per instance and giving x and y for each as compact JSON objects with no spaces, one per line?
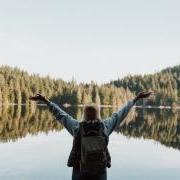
{"x":96,"y":40}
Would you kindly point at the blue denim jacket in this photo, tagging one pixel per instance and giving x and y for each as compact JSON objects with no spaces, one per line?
{"x":72,"y":125}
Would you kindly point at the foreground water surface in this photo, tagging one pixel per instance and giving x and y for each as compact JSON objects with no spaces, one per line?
{"x":34,"y":146}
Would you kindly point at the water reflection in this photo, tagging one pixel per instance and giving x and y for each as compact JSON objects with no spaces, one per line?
{"x":160,"y":125}
{"x":45,"y":157}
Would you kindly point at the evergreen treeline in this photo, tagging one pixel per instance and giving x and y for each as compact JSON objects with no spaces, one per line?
{"x":17,"y":86}
{"x":165,"y":84}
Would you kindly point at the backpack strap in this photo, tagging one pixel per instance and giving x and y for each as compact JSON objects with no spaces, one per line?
{"x":81,"y":129}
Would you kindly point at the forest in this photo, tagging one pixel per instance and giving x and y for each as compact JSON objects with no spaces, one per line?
{"x":165,"y":84}
{"x":16,"y":86}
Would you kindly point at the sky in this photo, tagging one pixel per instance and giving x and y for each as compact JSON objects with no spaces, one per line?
{"x":97,"y":40}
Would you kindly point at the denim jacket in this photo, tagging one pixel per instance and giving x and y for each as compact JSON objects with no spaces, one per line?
{"x":72,"y":125}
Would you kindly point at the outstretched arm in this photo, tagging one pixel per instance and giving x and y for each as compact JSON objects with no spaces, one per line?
{"x":117,"y":117}
{"x":69,"y":122}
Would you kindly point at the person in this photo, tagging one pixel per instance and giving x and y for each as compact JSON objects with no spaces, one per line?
{"x":89,"y":156}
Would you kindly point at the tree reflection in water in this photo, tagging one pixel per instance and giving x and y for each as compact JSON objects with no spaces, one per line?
{"x":160,"y":125}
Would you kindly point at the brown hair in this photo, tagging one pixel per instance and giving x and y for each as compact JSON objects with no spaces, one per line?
{"x":91,"y":112}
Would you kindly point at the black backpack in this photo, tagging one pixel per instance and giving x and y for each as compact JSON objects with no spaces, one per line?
{"x":93,"y":147}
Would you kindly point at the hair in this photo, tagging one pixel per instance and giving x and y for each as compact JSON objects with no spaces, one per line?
{"x":91,"y":112}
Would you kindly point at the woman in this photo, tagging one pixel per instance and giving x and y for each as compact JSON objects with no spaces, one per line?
{"x":89,"y":155}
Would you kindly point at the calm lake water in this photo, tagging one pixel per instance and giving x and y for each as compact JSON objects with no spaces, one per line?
{"x":34,"y":146}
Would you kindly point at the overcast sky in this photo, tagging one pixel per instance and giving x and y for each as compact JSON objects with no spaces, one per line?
{"x":96,"y":40}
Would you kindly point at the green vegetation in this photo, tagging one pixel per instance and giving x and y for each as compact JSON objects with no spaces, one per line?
{"x":17,"y":86}
{"x":165,"y":84}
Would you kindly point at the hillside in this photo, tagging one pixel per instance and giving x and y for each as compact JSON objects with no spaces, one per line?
{"x":165,"y":84}
{"x":16,"y":86}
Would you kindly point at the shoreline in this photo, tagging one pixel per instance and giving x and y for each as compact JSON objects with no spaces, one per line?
{"x":101,"y":106}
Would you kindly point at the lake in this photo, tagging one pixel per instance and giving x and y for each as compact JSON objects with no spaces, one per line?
{"x":33,"y":146}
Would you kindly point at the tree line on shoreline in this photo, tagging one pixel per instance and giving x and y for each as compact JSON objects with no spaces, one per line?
{"x":16,"y":86}
{"x":165,"y":84}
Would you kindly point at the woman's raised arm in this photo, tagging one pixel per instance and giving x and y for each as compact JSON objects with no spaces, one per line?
{"x":69,"y":122}
{"x":114,"y":121}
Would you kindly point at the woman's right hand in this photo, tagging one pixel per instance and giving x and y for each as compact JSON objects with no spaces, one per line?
{"x":38,"y":97}
{"x":142,"y":95}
